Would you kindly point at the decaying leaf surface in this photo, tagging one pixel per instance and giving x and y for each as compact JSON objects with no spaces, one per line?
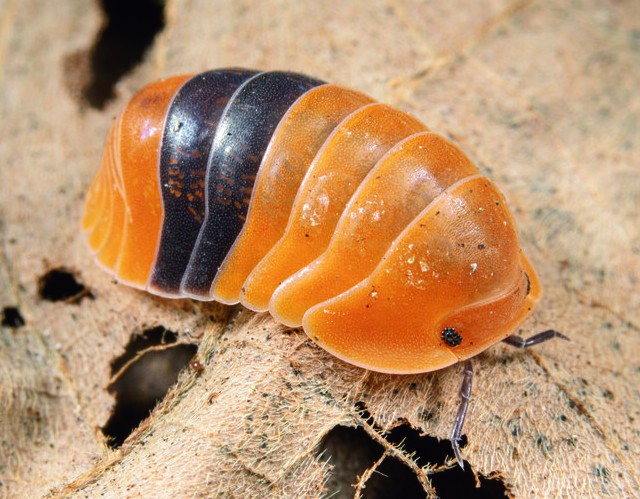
{"x":543,"y":95}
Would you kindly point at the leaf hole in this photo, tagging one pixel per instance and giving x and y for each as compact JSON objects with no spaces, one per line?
{"x":143,"y":375}
{"x":352,"y":452}
{"x":61,"y":285}
{"x":127,"y":32}
{"x":12,"y":318}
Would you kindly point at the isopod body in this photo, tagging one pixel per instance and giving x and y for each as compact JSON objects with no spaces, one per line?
{"x":314,"y":202}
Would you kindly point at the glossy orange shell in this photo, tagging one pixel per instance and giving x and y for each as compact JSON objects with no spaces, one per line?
{"x":359,"y":224}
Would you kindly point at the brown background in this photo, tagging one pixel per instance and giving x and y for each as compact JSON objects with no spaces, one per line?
{"x":543,"y":95}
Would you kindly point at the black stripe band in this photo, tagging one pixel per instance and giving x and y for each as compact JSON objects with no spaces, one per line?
{"x":243,"y":135}
{"x":189,"y":130}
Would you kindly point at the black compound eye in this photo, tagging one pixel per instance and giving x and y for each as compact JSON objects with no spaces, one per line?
{"x":451,"y":337}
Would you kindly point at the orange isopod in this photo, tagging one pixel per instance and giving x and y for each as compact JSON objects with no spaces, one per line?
{"x":313,"y":202}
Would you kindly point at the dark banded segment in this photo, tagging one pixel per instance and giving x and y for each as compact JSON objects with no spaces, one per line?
{"x":189,"y":131}
{"x":243,"y":135}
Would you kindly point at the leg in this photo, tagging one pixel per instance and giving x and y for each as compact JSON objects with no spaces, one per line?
{"x":465,"y":395}
{"x":519,"y":342}
{"x":465,"y":387}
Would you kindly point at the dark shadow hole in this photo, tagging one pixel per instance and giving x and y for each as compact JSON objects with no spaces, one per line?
{"x":364,"y":413}
{"x":351,"y":452}
{"x":128,"y":31}
{"x":450,"y":483}
{"x":455,"y":483}
{"x":393,"y":478}
{"x":427,"y":449}
{"x":11,"y":317}
{"x":145,"y":381}
{"x":60,"y":285}
{"x":155,"y":336}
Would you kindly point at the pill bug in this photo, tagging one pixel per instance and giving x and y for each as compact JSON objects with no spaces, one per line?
{"x":313,"y":202}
